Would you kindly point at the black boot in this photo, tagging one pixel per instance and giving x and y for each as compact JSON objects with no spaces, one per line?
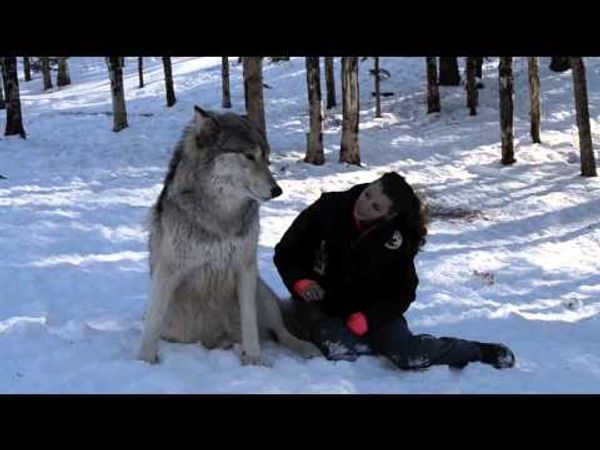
{"x":497,"y":355}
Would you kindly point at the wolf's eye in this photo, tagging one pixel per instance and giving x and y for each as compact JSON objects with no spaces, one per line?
{"x":249,"y":156}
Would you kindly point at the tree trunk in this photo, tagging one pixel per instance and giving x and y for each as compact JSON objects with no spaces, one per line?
{"x":253,"y":91}
{"x":559,"y":64}
{"x":46,"y":73}
{"x":314,"y":151}
{"x":26,"y":68}
{"x":534,"y":98}
{"x":171,"y":100}
{"x":586,"y":148}
{"x":471,"y":64}
{"x":115,"y":72}
{"x":14,"y":119}
{"x":506,"y":109}
{"x":377,"y":89}
{"x":478,"y":67}
{"x":2,"y":102}
{"x":449,"y":75}
{"x":349,"y":151}
{"x":63,"y":78}
{"x":433,"y":93}
{"x":226,"y":101}
{"x":141,"y":71}
{"x":330,"y":82}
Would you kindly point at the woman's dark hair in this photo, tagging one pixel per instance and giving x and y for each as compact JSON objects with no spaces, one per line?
{"x":408,"y":207}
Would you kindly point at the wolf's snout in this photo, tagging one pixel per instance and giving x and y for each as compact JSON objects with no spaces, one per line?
{"x":276,"y":191}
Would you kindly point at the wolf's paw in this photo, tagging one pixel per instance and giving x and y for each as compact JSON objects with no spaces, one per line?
{"x":308,"y":350}
{"x":149,"y":356}
{"x":225,"y":344}
{"x":252,"y":360}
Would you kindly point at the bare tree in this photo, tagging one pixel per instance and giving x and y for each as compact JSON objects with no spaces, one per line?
{"x":141,"y":71}
{"x":115,"y":71}
{"x":330,"y":82}
{"x":253,"y":91}
{"x":46,"y":72}
{"x":14,"y":119}
{"x":449,"y":75}
{"x":471,"y":64}
{"x":433,"y":93}
{"x":62,"y":77}
{"x":349,"y":151}
{"x":534,"y":98}
{"x":26,"y":68}
{"x":478,"y":67}
{"x":506,"y":109}
{"x":170,"y":91}
{"x":377,"y":87}
{"x":314,"y":151}
{"x":2,"y":102}
{"x":226,"y":100}
{"x":586,"y":148}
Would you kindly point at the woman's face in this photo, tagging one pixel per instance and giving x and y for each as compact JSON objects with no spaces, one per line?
{"x":372,"y":204}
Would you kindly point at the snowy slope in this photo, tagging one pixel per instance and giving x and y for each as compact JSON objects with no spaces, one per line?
{"x":521,"y":266}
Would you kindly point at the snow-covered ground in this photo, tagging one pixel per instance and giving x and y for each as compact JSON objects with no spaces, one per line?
{"x":522,"y":266}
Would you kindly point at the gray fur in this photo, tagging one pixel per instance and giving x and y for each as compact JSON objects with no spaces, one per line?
{"x":203,"y":243}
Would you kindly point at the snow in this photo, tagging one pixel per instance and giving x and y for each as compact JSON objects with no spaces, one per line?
{"x":518,"y":265}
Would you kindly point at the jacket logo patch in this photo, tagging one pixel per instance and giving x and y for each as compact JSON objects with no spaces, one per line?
{"x":395,"y":242}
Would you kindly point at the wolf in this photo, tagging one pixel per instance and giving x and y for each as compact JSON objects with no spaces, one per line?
{"x":204,"y":230}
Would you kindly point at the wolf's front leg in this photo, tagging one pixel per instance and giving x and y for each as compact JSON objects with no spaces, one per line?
{"x":162,"y":289}
{"x":249,"y":323}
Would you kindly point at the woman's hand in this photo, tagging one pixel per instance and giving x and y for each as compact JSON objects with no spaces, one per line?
{"x":357,"y":324}
{"x":309,"y":290}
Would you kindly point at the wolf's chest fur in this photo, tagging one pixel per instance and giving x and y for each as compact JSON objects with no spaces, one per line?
{"x":227,"y":254}
{"x":192,"y":236}
{"x":205,"y":305}
{"x":216,"y":249}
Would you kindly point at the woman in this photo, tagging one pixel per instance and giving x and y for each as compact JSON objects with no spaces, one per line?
{"x":348,"y":260}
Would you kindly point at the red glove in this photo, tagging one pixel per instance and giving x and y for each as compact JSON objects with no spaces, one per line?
{"x":302,"y":285}
{"x":309,"y":290}
{"x":357,"y":323}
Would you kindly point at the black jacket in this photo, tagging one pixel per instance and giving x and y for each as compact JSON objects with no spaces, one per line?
{"x":368,"y":271}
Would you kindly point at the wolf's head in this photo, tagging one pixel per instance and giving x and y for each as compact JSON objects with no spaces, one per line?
{"x":232,"y":152}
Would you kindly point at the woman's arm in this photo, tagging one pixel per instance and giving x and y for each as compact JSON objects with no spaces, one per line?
{"x":295,"y":254}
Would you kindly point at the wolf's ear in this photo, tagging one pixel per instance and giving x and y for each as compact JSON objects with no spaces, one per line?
{"x":205,"y":124}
